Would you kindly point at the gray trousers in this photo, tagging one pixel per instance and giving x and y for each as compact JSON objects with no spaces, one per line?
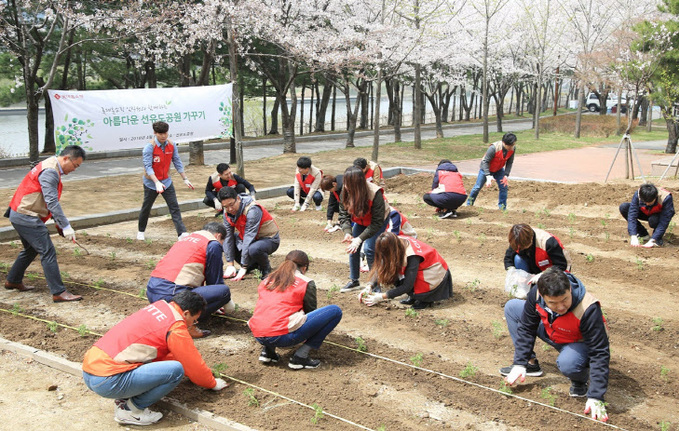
{"x":36,"y":241}
{"x":170,"y":197}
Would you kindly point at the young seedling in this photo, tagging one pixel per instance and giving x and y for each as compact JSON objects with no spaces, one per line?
{"x":142,"y":293}
{"x":571,"y":232}
{"x":362,"y":347}
{"x":665,"y":426}
{"x":331,"y":292}
{"x":547,"y":395}
{"x":16,"y":309}
{"x":129,"y":240}
{"x":607,"y":236}
{"x":381,"y":428}
{"x":505,"y":388}
{"x":83,"y":331}
{"x":504,"y":210}
{"x":151,"y":264}
{"x":318,"y":413}
{"x":657,"y":322}
{"x":98,"y":284}
{"x":112,"y":255}
{"x":441,"y":322}
{"x":670,"y":228}
{"x":411,"y":313}
{"x":589,"y":258}
{"x":430,"y":232}
{"x":257,"y":274}
{"x":52,"y":326}
{"x":31,"y":276}
{"x":546,"y":347}
{"x":469,"y":371}
{"x":458,"y":237}
{"x":148,"y":241}
{"x":498,"y":330}
{"x":473,"y":286}
{"x":250,"y":395}
{"x":14,"y":244}
{"x":64,"y":274}
{"x":571,"y":218}
{"x":541,"y":226}
{"x":482,"y":239}
{"x":546,"y":212}
{"x":480,"y":209}
{"x":416,"y":360}
{"x":469,"y":222}
{"x":218,"y":369}
{"x":604,"y":223}
{"x":640,"y":264}
{"x":664,"y":373}
{"x":77,"y":252}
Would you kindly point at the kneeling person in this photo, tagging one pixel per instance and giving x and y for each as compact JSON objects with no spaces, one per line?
{"x":144,"y":357}
{"x":564,"y":315}
{"x":193,"y":263}
{"x":652,"y":204}
{"x":223,"y":177}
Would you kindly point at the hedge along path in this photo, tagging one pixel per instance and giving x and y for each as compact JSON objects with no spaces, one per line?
{"x":375,"y":356}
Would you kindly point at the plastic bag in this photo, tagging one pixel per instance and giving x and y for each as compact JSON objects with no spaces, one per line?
{"x":516,"y":283}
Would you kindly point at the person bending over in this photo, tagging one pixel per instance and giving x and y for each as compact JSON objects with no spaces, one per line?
{"x":534,"y":250}
{"x":649,"y":204}
{"x":306,"y":185}
{"x":223,"y":177}
{"x":447,"y":191}
{"x":496,"y":164}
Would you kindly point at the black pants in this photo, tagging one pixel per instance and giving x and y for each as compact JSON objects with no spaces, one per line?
{"x":240,"y":188}
{"x":170,"y":197}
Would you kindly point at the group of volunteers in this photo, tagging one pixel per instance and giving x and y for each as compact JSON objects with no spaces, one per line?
{"x":145,"y":356}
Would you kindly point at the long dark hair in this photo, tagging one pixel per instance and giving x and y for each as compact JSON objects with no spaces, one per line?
{"x":284,"y":276}
{"x":390,"y":253}
{"x":355,"y":192}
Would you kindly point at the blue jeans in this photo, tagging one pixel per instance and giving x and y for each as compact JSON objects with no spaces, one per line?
{"x":216,"y":295}
{"x":144,"y":385}
{"x":573,"y":359}
{"x":36,"y":241}
{"x":481,"y":181}
{"x":319,"y":323}
{"x":317,"y":197}
{"x":170,"y":197}
{"x":368,"y":249}
{"x":653,"y":220}
{"x":520,"y":263}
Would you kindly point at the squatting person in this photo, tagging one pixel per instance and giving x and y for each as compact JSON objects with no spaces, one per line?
{"x":496,"y":164}
{"x":653,"y":205}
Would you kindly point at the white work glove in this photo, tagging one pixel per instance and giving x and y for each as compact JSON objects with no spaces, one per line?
{"x":230,"y":271}
{"x":373,"y":299}
{"x":518,"y":373}
{"x":364,"y":293}
{"x":354,"y":245}
{"x":295,"y":207}
{"x":489,"y":180}
{"x":634,"y":241}
{"x":651,"y":243}
{"x":304,"y":207}
{"x":328,"y":226}
{"x":69,"y":233}
{"x":218,"y":205}
{"x":240,"y":275}
{"x":221,"y":384}
{"x":597,"y":408}
{"x":534,"y":279}
{"x":160,"y":187}
{"x":188,"y":183}
{"x":334,"y":228}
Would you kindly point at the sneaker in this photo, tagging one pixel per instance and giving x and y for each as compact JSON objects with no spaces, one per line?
{"x":139,"y":417}
{"x":578,"y":389}
{"x":319,"y":207}
{"x":448,"y":214}
{"x":140,"y":236}
{"x":532,"y":370}
{"x":183,"y":235}
{"x":419,"y":305}
{"x":350,"y":286}
{"x":408,"y":301}
{"x":297,"y":363}
{"x":269,"y":356}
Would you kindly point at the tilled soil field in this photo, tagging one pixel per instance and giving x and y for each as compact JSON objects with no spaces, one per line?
{"x":410,"y":377}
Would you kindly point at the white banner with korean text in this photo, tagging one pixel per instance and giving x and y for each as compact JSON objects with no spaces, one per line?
{"x":106,"y":120}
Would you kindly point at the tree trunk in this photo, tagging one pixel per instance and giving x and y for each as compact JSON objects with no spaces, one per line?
{"x":364,"y":110}
{"x":417,"y":113}
{"x":301,"y":110}
{"x":288,"y":120}
{"x":322,"y":103}
{"x":196,"y":153}
{"x":396,"y":110}
{"x":311,"y":105}
{"x":274,"y":117}
{"x":264,"y":105}
{"x":673,"y":130}
{"x":49,"y":146}
{"x":352,"y":115}
{"x":578,"y":114}
{"x":436,"y":107}
{"x":376,"y":123}
{"x":643,"y":111}
{"x":235,"y":98}
{"x":334,"y":108}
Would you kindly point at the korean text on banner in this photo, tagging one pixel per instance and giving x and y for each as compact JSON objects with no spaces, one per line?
{"x":105,"y":120}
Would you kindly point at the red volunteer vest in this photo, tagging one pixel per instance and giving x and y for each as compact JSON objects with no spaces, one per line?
{"x":431,"y":258}
{"x":542,"y":259}
{"x":367,"y":217}
{"x":452,"y":182}
{"x":306,"y":183}
{"x":141,"y":337}
{"x":566,"y":329}
{"x":499,"y":160}
{"x":184,"y":264}
{"x":162,"y":160}
{"x":240,"y":222}
{"x":28,"y":198}
{"x":662,"y":195}
{"x":274,"y":308}
{"x":217,"y":182}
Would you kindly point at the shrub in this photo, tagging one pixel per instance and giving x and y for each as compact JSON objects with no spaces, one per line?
{"x":592,"y":125}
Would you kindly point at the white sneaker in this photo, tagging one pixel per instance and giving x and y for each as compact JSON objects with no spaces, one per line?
{"x":140,"y":417}
{"x":140,"y":236}
{"x":319,"y":207}
{"x":229,"y":307}
{"x":183,"y":235}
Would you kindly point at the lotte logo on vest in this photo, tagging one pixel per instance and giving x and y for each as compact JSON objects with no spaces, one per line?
{"x":156,"y":159}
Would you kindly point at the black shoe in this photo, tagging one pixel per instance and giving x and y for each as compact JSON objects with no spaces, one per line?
{"x":532,"y":370}
{"x":409,"y":301}
{"x":269,"y":356}
{"x":350,"y":286}
{"x":419,"y":305}
{"x":448,"y":214}
{"x":578,"y":389}
{"x":297,"y":363}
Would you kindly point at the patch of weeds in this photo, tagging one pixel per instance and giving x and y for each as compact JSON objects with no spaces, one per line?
{"x":546,"y":212}
{"x":77,"y":252}
{"x":218,"y":369}
{"x":331,"y":292}
{"x":148,"y":241}
{"x":83,"y":233}
{"x":411,"y":313}
{"x":458,"y":237}
{"x":257,"y":274}
{"x":151,"y":264}
{"x":665,"y":426}
{"x":417,"y":359}
{"x":505,"y":388}
{"x":83,"y":331}
{"x":129,"y":240}
{"x":52,"y":326}
{"x":523,"y":211}
{"x":318,"y":413}
{"x":571,"y":218}
{"x":65,"y":274}
{"x":98,"y":284}
{"x":548,"y":396}
{"x":14,"y":244}
{"x":4,"y":266}
{"x":664,"y":373}
{"x":469,"y":371}
{"x":657,"y":324}
{"x":276,"y":206}
{"x":640,"y":264}
{"x":142,"y":293}
{"x":250,"y":395}
{"x":473,"y":286}
{"x":108,"y":235}
{"x":498,"y":329}
{"x":16,"y":309}
{"x":362,"y":347}
{"x":480,"y":210}
{"x":589,"y":258}
{"x":32,"y":276}
{"x":441,"y":322}
{"x":381,"y":428}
